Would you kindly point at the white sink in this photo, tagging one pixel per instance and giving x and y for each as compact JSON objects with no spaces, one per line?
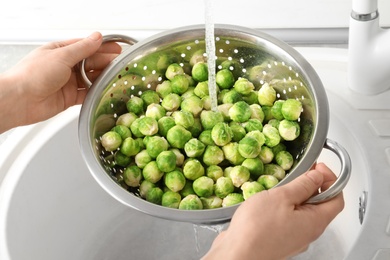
{"x":52,"y":208}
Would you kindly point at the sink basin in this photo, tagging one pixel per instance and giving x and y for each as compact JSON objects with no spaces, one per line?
{"x":52,"y":208}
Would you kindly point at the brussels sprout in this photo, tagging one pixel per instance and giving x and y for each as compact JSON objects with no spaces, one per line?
{"x":231,"y":96}
{"x":213,"y":155}
{"x":224,"y":79}
{"x":212,"y":202}
{"x":134,"y":128}
{"x":249,"y":147}
{"x":150,"y":97}
{"x":210,"y":118}
{"x":251,"y":188}
{"x":164,"y":124}
{"x":171,"y":199}
{"x":198,"y":56}
{"x":259,"y":136}
{"x":188,"y":93}
{"x":234,"y":66}
{"x":194,"y":148}
{"x":145,"y":187}
{"x":257,"y":112}
{"x":271,"y":134}
{"x":200,"y":71}
{"x":223,"y":186}
{"x":253,"y":124}
{"x":179,"y":84}
{"x":285,"y":160}
{"x":206,"y":100}
{"x":221,"y":94}
{"x":130,"y":147}
{"x":276,"y":109}
{"x":232,"y":199}
{"x":278,"y":148}
{"x":243,"y":86}
{"x":227,"y":171}
{"x":192,"y":104}
{"x":126,"y":119}
{"x":155,"y":111}
{"x":266,"y":155}
{"x":274,"y":122}
{"x":232,"y":154}
{"x":240,"y":112}
{"x":251,"y":98}
{"x":221,"y":134}
{"x":193,"y":169}
{"x":175,"y":180}
{"x":239,"y":174}
{"x":255,"y":166}
{"x":124,"y":131}
{"x":121,"y":159}
{"x":203,"y":186}
{"x":267,"y":113}
{"x":132,"y":176}
{"x":111,"y":141}
{"x":238,"y":131}
{"x":202,"y":89}
{"x":171,"y":102}
{"x":187,"y":190}
{"x":135,"y":105}
{"x":289,"y":130}
{"x":173,"y":70}
{"x":178,"y":136}
{"x":191,"y":202}
{"x":224,"y":110}
{"x":183,"y":118}
{"x":196,"y":128}
{"x":154,"y":195}
{"x":164,"y":88}
{"x":291,"y":109}
{"x":205,"y":137}
{"x":266,"y":95}
{"x":268,"y":181}
{"x":156,"y":145}
{"x":274,"y":170}
{"x":151,"y":172}
{"x":142,"y":158}
{"x":179,"y":156}
{"x":166,"y":161}
{"x":148,"y":126}
{"x":214,"y":172}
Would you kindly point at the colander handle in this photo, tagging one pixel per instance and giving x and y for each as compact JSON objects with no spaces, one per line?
{"x":106,"y":38}
{"x":343,"y":177}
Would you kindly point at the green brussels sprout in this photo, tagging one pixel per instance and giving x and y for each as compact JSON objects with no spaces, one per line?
{"x":193,"y":169}
{"x":200,"y":71}
{"x":206,"y":100}
{"x":255,"y":166}
{"x":155,"y":111}
{"x":164,"y":124}
{"x":179,"y":84}
{"x":132,"y":176}
{"x":231,"y":96}
{"x":212,"y":202}
{"x":291,"y":109}
{"x":121,"y":159}
{"x":126,"y":119}
{"x":145,"y":187}
{"x":164,"y":88}
{"x":213,"y":155}
{"x":221,"y":94}
{"x":274,"y":170}
{"x":249,"y":147}
{"x":205,"y":137}
{"x":194,"y":148}
{"x":289,"y":130}
{"x":276,"y":109}
{"x":250,"y":188}
{"x":198,"y":56}
{"x":257,"y":112}
{"x":135,"y":105}
{"x":224,"y":110}
{"x":240,"y":112}
{"x":274,"y":122}
{"x":166,"y":161}
{"x":130,"y":147}
{"x":156,"y":144}
{"x":203,"y":186}
{"x":192,"y":104}
{"x":239,"y":174}
{"x":111,"y":141}
{"x":224,"y":79}
{"x":179,"y":156}
{"x":214,"y":172}
{"x":210,"y":118}
{"x":124,"y":131}
{"x":272,"y":136}
{"x":202,"y":89}
{"x":223,"y":187}
{"x":173,"y":70}
{"x":187,"y":190}
{"x":183,"y":118}
{"x":148,"y":126}
{"x":221,"y":134}
{"x":142,"y":158}
{"x":266,"y":95}
{"x":234,"y":66}
{"x":266,"y":155}
{"x":259,"y":136}
{"x":232,"y":199}
{"x":232,"y":154}
{"x":251,"y":98}
{"x":150,"y":97}
{"x":154,"y":195}
{"x":284,"y":159}
{"x":252,"y":125}
{"x":191,"y":202}
{"x":278,"y":148}
{"x":178,"y":136}
{"x":227,"y":170}
{"x":134,"y":128}
{"x":151,"y":172}
{"x":268,"y":181}
{"x":196,"y":128}
{"x":171,"y":102}
{"x":243,"y":86}
{"x":188,"y":93}
{"x":171,"y":199}
{"x":267,"y":113}
{"x":238,"y":131}
{"x":140,"y":143}
{"x":175,"y":180}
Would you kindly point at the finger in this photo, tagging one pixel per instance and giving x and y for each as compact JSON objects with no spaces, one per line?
{"x":329,"y":176}
{"x":110,"y":47}
{"x":99,"y":61}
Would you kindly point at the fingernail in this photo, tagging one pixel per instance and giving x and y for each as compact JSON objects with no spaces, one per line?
{"x":95,"y":36}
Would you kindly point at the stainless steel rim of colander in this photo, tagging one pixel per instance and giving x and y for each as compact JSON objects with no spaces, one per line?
{"x":212,"y":216}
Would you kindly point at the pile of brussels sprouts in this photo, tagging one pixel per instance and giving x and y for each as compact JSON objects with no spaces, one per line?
{"x":177,"y":152}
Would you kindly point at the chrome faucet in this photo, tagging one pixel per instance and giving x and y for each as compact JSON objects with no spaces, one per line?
{"x":368,"y":50}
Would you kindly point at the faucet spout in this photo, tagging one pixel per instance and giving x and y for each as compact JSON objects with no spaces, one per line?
{"x":368,"y":50}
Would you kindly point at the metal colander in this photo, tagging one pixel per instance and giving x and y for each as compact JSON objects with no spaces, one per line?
{"x":142,"y":66}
